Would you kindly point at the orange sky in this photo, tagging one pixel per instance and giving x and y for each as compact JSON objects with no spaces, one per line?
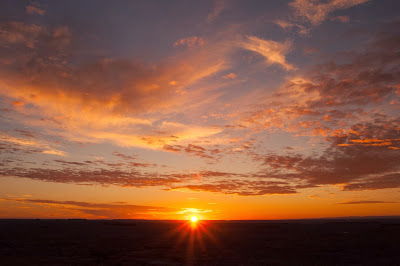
{"x":219,"y":108}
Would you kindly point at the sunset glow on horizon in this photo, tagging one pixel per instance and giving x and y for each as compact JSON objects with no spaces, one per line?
{"x":205,"y":110}
{"x":194,"y":219}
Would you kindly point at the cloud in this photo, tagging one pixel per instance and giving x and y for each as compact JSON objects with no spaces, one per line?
{"x":195,"y":150}
{"x":54,"y":152}
{"x":46,"y":51}
{"x":366,"y":202}
{"x":25,"y":133}
{"x":286,"y":25}
{"x":27,"y":145}
{"x":102,"y":176}
{"x":343,"y":19}
{"x":316,"y":12}
{"x":375,"y":182}
{"x":230,"y":76}
{"x":241,"y":187}
{"x":359,"y":167}
{"x":219,"y":6}
{"x":136,"y":135}
{"x":330,"y":101}
{"x":34,"y":8}
{"x":124,"y":174}
{"x":14,"y":33}
{"x":194,"y":210}
{"x":107,"y":99}
{"x":274,"y":52}
{"x":190,"y":41}
{"x":99,"y":210}
{"x":332,"y":95}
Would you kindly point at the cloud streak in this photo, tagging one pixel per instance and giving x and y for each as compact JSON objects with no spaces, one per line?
{"x":99,"y":210}
{"x":34,"y":9}
{"x":273,"y":52}
{"x":219,"y":7}
{"x":367,"y":202}
{"x":316,"y":12}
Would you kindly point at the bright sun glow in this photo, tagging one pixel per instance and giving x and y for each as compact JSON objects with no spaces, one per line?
{"x":194,"y":219}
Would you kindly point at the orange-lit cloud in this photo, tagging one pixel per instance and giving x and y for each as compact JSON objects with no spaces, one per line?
{"x":19,"y":33}
{"x":219,"y":7}
{"x":366,"y":202}
{"x":316,"y":12}
{"x":343,"y":19}
{"x":230,"y":76}
{"x":274,"y":52}
{"x":208,"y":119}
{"x":190,"y":41}
{"x":193,"y":210}
{"x":28,"y":145}
{"x":34,"y":8}
{"x":92,"y":100}
{"x":98,"y":210}
{"x":286,"y":25}
{"x":376,"y":182}
{"x":376,"y":165}
{"x":311,"y":13}
{"x":332,"y":95}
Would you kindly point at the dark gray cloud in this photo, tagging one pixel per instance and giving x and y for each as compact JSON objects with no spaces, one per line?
{"x":243,"y":187}
{"x":366,"y":158}
{"x":101,"y":210}
{"x":195,"y":150}
{"x":376,"y":182}
{"x":93,"y":176}
{"x":366,"y":202}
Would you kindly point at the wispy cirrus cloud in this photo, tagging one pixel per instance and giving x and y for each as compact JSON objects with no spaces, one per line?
{"x":311,"y":13}
{"x":274,"y":52}
{"x":219,"y":7}
{"x":133,"y":173}
{"x":97,"y":176}
{"x":34,"y":8}
{"x":195,"y":150}
{"x":288,"y":26}
{"x":93,"y":99}
{"x":390,"y":180}
{"x":316,"y":12}
{"x":336,"y":105}
{"x":367,"y":202}
{"x":332,"y":95}
{"x":12,"y":144}
{"x":343,"y":19}
{"x":98,"y":210}
{"x":359,"y":167}
{"x":189,"y":41}
{"x":241,"y":188}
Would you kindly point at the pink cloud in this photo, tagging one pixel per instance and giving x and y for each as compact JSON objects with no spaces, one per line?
{"x":343,"y":19}
{"x":98,"y":210}
{"x":230,"y":76}
{"x":274,"y":52}
{"x":34,"y":8}
{"x":190,"y":41}
{"x":219,"y":7}
{"x":316,"y":12}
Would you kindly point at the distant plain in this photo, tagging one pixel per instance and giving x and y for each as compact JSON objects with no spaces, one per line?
{"x":139,"y":242}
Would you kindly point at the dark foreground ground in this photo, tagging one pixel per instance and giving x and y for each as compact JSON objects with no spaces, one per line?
{"x":312,"y":242}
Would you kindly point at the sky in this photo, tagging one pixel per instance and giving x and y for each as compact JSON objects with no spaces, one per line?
{"x":226,"y":109}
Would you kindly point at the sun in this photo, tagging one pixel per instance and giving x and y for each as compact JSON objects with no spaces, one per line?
{"x":194,"y":219}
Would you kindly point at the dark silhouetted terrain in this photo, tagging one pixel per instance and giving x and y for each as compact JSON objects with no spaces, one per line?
{"x":129,"y":242}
